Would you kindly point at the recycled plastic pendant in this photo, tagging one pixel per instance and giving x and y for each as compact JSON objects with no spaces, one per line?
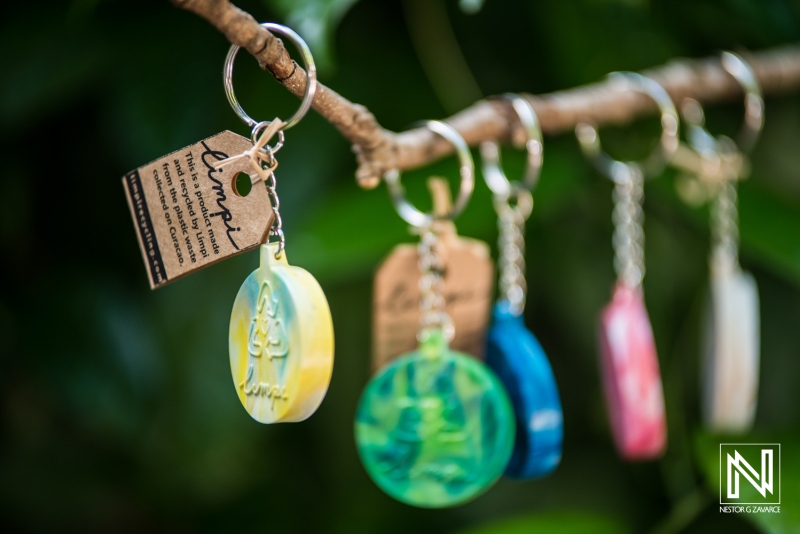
{"x":281,"y":333}
{"x":628,"y":359}
{"x":513,"y":352}
{"x":631,"y":377}
{"x":281,"y":341}
{"x":731,"y":349}
{"x":515,"y":355}
{"x":731,"y":338}
{"x":434,"y":427}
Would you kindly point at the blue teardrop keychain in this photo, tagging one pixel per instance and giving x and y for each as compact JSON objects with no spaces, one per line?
{"x":515,"y":355}
{"x":513,"y":352}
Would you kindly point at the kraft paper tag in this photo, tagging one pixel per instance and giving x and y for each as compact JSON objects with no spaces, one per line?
{"x":187,"y":213}
{"x":468,"y":276}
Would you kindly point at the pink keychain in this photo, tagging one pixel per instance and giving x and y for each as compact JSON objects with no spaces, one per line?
{"x":631,"y":376}
{"x":628,"y":359}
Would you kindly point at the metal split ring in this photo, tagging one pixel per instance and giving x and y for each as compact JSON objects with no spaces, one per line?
{"x":397,"y":192}
{"x":668,"y":143}
{"x":737,"y":67}
{"x":519,"y":200}
{"x":753,"y":123}
{"x":311,"y":79}
{"x":258,"y":128}
{"x":490,"y":153}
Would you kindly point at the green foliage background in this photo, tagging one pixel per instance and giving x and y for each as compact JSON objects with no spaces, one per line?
{"x":117,"y":411}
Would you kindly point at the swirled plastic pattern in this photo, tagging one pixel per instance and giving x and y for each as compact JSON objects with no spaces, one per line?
{"x":281,"y":341}
{"x":514,"y":353}
{"x":434,"y":428}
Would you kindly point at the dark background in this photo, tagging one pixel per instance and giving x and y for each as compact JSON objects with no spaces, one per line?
{"x":117,"y":411}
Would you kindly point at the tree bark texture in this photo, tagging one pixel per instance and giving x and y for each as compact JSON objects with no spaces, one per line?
{"x":379,"y":150}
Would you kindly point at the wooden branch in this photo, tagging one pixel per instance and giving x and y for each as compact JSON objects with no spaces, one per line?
{"x":379,"y":150}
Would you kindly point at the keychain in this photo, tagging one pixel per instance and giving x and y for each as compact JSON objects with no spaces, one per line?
{"x":731,"y":334}
{"x":281,"y":332}
{"x":434,"y":427}
{"x":513,"y":352}
{"x":189,"y":213}
{"x":631,"y":376}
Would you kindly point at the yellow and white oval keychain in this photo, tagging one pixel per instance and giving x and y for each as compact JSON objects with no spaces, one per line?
{"x":281,"y":332}
{"x":281,"y":341}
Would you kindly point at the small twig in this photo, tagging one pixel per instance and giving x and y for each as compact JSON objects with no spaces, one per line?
{"x":379,"y":150}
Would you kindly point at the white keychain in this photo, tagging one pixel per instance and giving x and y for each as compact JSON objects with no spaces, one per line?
{"x":732,"y":326}
{"x":731,"y":348}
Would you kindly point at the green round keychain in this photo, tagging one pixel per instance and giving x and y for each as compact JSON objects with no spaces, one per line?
{"x":434,"y":427}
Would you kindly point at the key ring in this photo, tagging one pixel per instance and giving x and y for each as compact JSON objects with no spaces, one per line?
{"x":753,"y":122}
{"x":308,"y":95}
{"x":668,"y":144}
{"x":490,"y":154}
{"x":397,"y":192}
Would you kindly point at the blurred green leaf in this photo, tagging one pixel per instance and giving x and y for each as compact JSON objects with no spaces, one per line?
{"x":769,"y":228}
{"x":316,"y":22}
{"x":768,"y":224}
{"x":470,"y":6}
{"x":32,"y":84}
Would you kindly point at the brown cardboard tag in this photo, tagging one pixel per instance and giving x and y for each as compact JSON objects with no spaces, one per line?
{"x":468,"y":276}
{"x":188,"y":215}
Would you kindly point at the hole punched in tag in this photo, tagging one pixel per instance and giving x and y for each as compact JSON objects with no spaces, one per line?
{"x":242,"y":184}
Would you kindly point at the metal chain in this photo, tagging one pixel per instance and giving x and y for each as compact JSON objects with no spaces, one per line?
{"x":277,"y":223}
{"x":628,"y":217}
{"x":511,"y":250}
{"x":725,"y":224}
{"x":431,"y":287}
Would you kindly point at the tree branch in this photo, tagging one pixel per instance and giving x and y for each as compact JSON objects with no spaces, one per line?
{"x":379,"y":150}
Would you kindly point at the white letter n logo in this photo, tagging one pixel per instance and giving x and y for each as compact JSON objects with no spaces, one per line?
{"x":738,"y":465}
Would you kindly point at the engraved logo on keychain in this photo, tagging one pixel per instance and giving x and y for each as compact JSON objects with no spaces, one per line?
{"x":468,"y":273}
{"x":281,"y":341}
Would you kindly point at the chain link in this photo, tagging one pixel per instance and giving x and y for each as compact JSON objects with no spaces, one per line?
{"x":511,"y":249}
{"x":628,"y":218}
{"x":725,"y":224}
{"x":431,"y":287}
{"x":277,"y":224}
